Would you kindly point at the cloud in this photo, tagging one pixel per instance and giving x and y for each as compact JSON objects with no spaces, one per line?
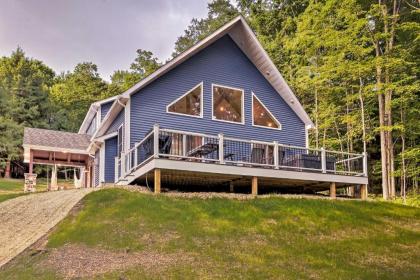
{"x":63,"y":33}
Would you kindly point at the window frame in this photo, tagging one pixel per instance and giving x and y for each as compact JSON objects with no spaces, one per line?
{"x":269,"y":112}
{"x":242,"y":122}
{"x":201,"y":84}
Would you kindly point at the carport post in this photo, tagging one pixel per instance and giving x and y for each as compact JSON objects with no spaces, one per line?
{"x":31,"y":161}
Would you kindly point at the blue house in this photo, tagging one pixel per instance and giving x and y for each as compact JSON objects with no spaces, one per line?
{"x":219,"y":116}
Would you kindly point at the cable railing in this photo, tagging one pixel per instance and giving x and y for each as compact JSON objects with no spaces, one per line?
{"x":198,"y":147}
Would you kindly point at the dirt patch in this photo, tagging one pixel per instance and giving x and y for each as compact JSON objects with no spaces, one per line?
{"x":75,"y":261}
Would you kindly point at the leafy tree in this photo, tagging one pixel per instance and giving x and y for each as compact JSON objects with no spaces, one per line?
{"x":144,"y":64}
{"x":74,"y":92}
{"x":24,"y":87}
{"x":219,"y":13}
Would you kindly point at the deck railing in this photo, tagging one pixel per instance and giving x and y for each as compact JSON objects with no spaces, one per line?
{"x":198,"y":147}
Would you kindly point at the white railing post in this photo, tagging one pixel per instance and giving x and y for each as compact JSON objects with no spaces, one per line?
{"x":184,"y":145}
{"x":135,"y":156}
{"x":365,"y":164}
{"x":156,"y":140}
{"x":116,"y":170}
{"x":276,"y":154}
{"x":323,"y":161}
{"x":221,"y":149}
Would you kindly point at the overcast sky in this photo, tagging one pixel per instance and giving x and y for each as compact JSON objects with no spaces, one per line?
{"x":63,"y":33}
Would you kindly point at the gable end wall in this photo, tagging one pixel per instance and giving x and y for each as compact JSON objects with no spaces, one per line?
{"x":221,"y":63}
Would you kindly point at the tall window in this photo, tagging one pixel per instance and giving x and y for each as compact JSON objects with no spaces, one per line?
{"x":120,"y":140}
{"x":189,"y":104}
{"x":262,"y":116}
{"x":228,"y":104}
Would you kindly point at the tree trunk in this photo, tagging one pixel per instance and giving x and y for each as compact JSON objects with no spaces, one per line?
{"x":7,"y":171}
{"x":381,"y":104}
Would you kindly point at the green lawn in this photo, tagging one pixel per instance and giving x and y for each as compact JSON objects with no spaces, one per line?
{"x":267,"y":238}
{"x":11,"y":188}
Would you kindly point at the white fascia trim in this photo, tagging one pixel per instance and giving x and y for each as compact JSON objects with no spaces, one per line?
{"x":201,"y":85}
{"x":269,"y":112}
{"x":306,"y":137}
{"x":242,"y":105}
{"x":98,"y":117}
{"x":88,"y":118}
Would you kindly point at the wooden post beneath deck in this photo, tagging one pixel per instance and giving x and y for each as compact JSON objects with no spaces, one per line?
{"x":231,"y":187}
{"x":363,"y":192}
{"x":157,"y":180}
{"x":351,"y":191}
{"x":332,"y":190}
{"x":254,"y":185}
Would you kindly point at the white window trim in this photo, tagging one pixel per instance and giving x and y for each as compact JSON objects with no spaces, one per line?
{"x":269,"y":112}
{"x":242,"y":122}
{"x":118,"y":140}
{"x":185,"y":94}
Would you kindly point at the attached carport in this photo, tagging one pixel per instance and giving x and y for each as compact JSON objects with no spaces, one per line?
{"x":59,"y":149}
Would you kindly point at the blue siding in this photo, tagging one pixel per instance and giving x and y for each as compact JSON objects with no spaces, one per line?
{"x":221,"y":63}
{"x":105,"y":108}
{"x":116,"y":123}
{"x":110,"y":154}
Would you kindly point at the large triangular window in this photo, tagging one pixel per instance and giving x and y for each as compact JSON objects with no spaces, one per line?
{"x":261,"y":116}
{"x":190,"y":104}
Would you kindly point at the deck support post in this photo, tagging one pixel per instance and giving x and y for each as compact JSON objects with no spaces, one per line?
{"x":351,"y":191}
{"x":221,"y":151}
{"x":231,"y":187}
{"x":363,"y":191}
{"x":157,"y":180}
{"x":332,"y":190}
{"x":255,"y":185}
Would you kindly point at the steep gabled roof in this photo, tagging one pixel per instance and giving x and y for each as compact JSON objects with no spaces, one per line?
{"x":239,"y":30}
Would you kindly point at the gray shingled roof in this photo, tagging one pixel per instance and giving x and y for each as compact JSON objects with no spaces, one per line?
{"x":55,"y":139}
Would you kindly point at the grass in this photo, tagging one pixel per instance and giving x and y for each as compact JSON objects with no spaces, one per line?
{"x":11,"y":188}
{"x":270,"y":238}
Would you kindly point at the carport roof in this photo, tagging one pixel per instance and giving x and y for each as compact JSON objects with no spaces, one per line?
{"x":38,"y":137}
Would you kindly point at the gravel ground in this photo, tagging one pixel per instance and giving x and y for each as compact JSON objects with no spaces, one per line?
{"x":25,"y":219}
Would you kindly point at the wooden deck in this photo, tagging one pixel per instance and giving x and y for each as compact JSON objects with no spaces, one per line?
{"x":250,"y":167}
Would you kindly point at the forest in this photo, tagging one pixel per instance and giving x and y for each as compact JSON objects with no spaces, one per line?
{"x":354,"y":65}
